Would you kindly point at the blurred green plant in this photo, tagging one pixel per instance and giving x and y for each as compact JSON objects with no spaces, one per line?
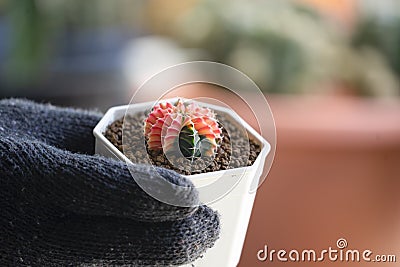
{"x":382,"y":35}
{"x":284,"y":47}
{"x":28,"y":40}
{"x":35,"y":25}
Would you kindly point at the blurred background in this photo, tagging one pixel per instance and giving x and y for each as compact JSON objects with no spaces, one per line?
{"x":329,"y":69}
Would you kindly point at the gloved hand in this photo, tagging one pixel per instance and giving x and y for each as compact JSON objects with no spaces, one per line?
{"x":61,"y":205}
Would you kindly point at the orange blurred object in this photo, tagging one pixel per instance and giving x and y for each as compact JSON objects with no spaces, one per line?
{"x":343,"y":11}
{"x":335,"y":175}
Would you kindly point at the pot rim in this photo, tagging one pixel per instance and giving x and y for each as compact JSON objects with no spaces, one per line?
{"x":108,"y":118}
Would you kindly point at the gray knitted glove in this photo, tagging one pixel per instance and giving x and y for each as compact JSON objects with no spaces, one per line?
{"x":60,"y":205}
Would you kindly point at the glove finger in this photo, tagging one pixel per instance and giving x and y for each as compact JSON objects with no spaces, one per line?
{"x":112,"y":241}
{"x":64,"y":128}
{"x":91,"y":184}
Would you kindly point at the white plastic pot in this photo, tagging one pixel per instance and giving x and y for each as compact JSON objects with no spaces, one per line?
{"x":235,"y":207}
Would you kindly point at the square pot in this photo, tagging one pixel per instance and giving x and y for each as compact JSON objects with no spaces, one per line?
{"x":234,"y":207}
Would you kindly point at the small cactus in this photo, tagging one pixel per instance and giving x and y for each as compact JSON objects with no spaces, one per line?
{"x":191,"y":128}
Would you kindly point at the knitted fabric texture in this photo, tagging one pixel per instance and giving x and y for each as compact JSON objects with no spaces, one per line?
{"x":63,"y":206}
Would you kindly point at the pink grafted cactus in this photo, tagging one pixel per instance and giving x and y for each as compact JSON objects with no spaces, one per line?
{"x":158,"y":112}
{"x":191,"y":128}
{"x":173,"y":125}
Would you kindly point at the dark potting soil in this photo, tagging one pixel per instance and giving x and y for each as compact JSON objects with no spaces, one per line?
{"x":235,"y":148}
